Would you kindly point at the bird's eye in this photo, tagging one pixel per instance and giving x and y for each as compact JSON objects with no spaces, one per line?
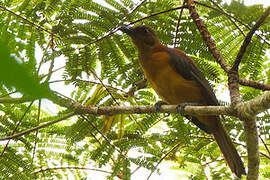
{"x":146,"y":30}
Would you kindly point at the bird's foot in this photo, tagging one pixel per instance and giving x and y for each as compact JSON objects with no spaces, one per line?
{"x":158,"y":105}
{"x":181,"y":108}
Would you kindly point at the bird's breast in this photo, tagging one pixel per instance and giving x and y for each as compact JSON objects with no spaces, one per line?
{"x":168,"y":84}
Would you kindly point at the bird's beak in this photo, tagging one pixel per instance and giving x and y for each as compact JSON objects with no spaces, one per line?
{"x":126,"y":29}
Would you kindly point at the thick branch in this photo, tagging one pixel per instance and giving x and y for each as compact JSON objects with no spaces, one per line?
{"x":256,"y":105}
{"x":112,"y":110}
{"x":254,"y":84}
{"x":233,"y":79}
{"x":233,"y":74}
{"x":248,"y":39}
{"x":247,"y":109}
{"x":206,"y":36}
{"x":252,"y":147}
{"x":213,"y":49}
{"x":253,"y":107}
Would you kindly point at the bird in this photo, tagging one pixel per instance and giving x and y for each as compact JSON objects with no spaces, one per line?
{"x":178,"y":81}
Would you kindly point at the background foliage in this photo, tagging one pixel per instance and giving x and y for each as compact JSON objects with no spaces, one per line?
{"x":101,"y":65}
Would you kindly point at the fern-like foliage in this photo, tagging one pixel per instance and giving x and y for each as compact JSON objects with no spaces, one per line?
{"x":101,"y":66}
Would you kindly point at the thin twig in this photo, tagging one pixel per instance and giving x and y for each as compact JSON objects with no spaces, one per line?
{"x":265,"y":145}
{"x":43,"y":56}
{"x":16,"y":127}
{"x":137,"y":7}
{"x":178,"y":24}
{"x":52,"y":61}
{"x":226,"y":14}
{"x":248,"y":39}
{"x":163,"y":157}
{"x":113,"y":30}
{"x":135,"y":170}
{"x":158,"y":13}
{"x":69,"y":167}
{"x":36,"y":135}
{"x":232,"y":18}
{"x":133,"y":22}
{"x":29,"y":22}
{"x":96,"y":76}
{"x":104,"y":137}
{"x":15,"y":100}
{"x":217,"y":160}
{"x":93,"y":82}
{"x":240,"y":144}
{"x":65,"y":117}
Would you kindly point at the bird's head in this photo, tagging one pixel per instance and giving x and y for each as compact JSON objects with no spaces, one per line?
{"x":142,"y":36}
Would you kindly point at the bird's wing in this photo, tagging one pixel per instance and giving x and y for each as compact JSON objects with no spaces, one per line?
{"x":183,"y":65}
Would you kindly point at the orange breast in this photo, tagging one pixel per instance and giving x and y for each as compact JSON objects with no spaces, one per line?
{"x":171,"y":86}
{"x":168,"y":84}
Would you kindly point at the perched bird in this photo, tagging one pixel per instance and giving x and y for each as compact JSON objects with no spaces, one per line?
{"x":177,"y":80}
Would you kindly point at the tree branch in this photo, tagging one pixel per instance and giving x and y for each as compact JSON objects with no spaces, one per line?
{"x":252,"y":147}
{"x":112,"y":110}
{"x":38,"y":127}
{"x":265,"y":145}
{"x":15,"y":129}
{"x":233,"y":19}
{"x":252,"y":107}
{"x":220,"y":10}
{"x":178,"y":24}
{"x":163,"y":157}
{"x":254,"y":84}
{"x":233,"y":75}
{"x":206,"y":36}
{"x":212,"y":139}
{"x":29,"y":22}
{"x":70,"y":167}
{"x":248,"y":113}
{"x":212,"y":46}
{"x":14,"y":100}
{"x":255,"y":106}
{"x":248,"y":39}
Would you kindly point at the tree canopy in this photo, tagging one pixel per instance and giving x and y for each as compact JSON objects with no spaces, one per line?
{"x":107,"y":123}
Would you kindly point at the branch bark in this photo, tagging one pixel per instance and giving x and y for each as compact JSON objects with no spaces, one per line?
{"x":206,"y":36}
{"x":113,"y":110}
{"x":252,"y":147}
{"x":255,"y":106}
{"x":250,"y":108}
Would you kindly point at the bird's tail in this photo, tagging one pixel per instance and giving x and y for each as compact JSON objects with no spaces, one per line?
{"x":229,"y":151}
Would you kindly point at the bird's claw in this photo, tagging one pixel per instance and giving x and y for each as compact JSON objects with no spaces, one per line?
{"x":181,"y":107}
{"x":158,"y":105}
